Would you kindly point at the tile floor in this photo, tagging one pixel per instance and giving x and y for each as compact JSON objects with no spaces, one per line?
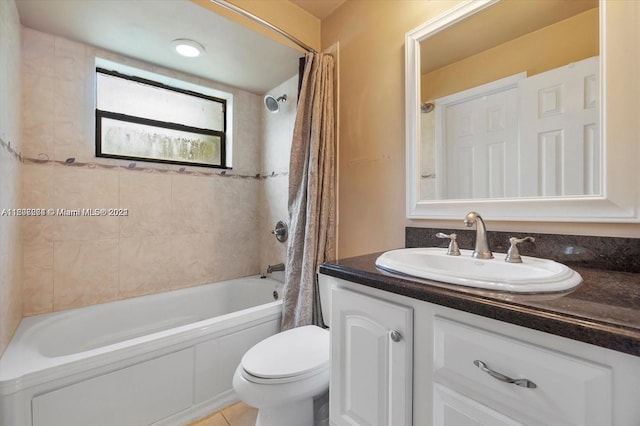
{"x":238,"y":414}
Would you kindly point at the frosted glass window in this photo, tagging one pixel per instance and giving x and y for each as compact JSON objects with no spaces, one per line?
{"x":139,"y":119}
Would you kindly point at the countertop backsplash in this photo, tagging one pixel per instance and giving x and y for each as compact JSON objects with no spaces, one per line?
{"x":607,"y":253}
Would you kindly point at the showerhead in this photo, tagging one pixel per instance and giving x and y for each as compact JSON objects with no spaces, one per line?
{"x":427,"y":107}
{"x":272,"y":103}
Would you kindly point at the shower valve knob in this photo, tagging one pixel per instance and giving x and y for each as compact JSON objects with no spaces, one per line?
{"x":281,"y":231}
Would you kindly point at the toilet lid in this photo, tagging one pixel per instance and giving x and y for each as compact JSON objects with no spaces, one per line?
{"x":288,"y":354}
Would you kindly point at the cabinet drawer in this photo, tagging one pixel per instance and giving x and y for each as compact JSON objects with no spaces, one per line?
{"x":569,"y":390}
{"x":452,"y":409}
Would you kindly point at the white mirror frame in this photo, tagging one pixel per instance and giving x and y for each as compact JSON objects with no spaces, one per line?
{"x":619,"y":130}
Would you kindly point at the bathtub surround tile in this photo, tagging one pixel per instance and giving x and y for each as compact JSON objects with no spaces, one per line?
{"x":143,"y":266}
{"x":84,"y":273}
{"x":192,"y":257}
{"x":78,"y":188}
{"x":182,"y":229}
{"x":68,"y":113}
{"x":277,"y":129}
{"x":237,"y":233}
{"x":10,"y":172}
{"x":37,"y":52}
{"x":247,"y":136}
{"x":274,"y":194}
{"x":37,"y":193}
{"x":235,"y":259}
{"x":38,"y":278}
{"x":10,"y":262}
{"x":278,"y":134}
{"x":68,"y":59}
{"x":75,"y":126}
{"x":193,"y":204}
{"x":69,"y":90}
{"x":37,"y":112}
{"x":147,"y":198}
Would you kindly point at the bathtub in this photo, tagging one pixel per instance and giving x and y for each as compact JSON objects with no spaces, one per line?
{"x":161,"y":359}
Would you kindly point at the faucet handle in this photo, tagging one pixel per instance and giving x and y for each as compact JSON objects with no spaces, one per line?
{"x":513,"y":254}
{"x":453,"y":249}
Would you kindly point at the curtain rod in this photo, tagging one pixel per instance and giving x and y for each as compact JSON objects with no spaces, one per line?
{"x":264,"y":23}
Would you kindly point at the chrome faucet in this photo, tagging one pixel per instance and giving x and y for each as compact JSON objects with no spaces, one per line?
{"x":274,"y":268}
{"x":482,"y":250}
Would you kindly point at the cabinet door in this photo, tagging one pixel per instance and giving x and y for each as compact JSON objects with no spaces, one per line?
{"x":371,"y":361}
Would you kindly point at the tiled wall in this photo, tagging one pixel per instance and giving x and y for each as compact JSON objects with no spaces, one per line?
{"x":10,"y":167}
{"x":274,"y":191}
{"x":185,"y":226}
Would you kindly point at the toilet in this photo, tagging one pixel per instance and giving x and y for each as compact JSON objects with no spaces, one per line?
{"x":283,"y":374}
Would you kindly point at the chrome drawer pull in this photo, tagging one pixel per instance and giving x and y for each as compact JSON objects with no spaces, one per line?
{"x":525,"y":383}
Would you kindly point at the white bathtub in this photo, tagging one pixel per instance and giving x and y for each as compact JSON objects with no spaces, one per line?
{"x":162,"y":359}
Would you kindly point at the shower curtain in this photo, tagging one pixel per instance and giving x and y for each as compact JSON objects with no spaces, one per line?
{"x":311,"y":194}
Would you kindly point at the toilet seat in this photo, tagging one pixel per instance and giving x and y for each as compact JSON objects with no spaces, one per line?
{"x":292,"y":355}
{"x":261,"y":380}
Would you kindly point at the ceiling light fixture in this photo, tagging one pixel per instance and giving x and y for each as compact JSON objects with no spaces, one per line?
{"x":188,"y":48}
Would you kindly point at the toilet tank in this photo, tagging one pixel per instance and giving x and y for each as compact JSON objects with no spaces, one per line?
{"x":324,"y":286}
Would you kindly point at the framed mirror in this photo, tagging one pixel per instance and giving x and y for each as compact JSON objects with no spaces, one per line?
{"x":523,"y":111}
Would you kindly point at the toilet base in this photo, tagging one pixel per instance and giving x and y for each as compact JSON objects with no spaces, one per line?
{"x":297,"y":413}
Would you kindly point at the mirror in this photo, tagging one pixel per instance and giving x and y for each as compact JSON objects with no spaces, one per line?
{"x":505,"y":108}
{"x":515,"y":111}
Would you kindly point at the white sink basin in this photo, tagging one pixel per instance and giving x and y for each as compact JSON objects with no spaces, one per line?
{"x":534,"y":275}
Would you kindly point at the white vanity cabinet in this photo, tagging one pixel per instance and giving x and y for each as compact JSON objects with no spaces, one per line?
{"x":371,"y":361}
{"x":571,"y":383}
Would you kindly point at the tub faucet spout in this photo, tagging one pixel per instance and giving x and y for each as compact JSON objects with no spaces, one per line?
{"x":482,"y":250}
{"x":274,"y":268}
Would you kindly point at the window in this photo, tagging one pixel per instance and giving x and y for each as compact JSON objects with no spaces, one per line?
{"x":140,"y":119}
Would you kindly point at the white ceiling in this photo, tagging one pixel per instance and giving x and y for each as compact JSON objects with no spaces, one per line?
{"x":143,"y":29}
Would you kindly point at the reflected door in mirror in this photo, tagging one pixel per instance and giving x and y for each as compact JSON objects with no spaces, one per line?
{"x":559,"y":144}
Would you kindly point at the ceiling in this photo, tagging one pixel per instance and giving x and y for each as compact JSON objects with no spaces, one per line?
{"x":144,"y":29}
{"x":319,"y":8}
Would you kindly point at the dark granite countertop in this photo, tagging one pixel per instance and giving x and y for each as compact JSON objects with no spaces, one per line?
{"x":604,"y":310}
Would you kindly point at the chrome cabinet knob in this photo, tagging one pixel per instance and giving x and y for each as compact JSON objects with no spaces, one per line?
{"x":395,"y":335}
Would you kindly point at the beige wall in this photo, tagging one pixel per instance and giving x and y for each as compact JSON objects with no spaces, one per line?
{"x":371,"y":116}
{"x":564,"y":42}
{"x":184,"y":227}
{"x":372,"y":137}
{"x":10,"y":168}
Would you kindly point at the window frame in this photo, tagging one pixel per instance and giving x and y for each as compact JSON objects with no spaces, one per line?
{"x":100,"y":114}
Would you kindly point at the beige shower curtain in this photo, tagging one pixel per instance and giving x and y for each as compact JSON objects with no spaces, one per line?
{"x":311,"y":193}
